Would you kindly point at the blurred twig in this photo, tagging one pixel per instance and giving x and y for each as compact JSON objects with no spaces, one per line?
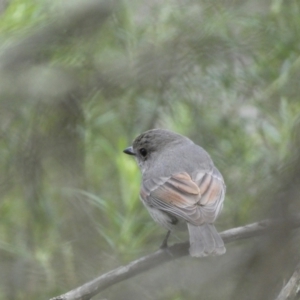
{"x":77,"y":17}
{"x":3,"y":5}
{"x":292,"y":288}
{"x":90,"y":289}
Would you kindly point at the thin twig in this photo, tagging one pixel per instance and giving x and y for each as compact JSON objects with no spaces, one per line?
{"x":292,"y":288}
{"x":90,"y":289}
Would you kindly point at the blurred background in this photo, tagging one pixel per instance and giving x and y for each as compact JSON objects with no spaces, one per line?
{"x":79,"y":80}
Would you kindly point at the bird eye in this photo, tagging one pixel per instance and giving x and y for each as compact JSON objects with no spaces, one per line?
{"x":143,"y":152}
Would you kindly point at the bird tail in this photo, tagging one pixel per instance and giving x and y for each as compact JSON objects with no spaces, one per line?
{"x":205,"y":240}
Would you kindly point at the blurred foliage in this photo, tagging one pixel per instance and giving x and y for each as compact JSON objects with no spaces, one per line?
{"x":75,"y":92}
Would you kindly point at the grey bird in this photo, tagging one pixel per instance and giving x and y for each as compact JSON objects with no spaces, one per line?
{"x":180,"y":188}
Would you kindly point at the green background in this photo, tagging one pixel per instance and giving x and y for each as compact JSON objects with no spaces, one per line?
{"x":80,"y":80}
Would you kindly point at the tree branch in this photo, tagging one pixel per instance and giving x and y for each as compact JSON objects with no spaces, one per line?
{"x":90,"y":289}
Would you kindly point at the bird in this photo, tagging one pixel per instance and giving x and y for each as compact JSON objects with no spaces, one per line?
{"x":181,"y":188}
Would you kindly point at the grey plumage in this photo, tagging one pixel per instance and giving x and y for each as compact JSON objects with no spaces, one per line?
{"x":180,"y":182}
{"x":205,"y":240}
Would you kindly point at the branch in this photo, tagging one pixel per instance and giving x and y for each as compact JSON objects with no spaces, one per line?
{"x":90,"y":289}
{"x":292,"y":288}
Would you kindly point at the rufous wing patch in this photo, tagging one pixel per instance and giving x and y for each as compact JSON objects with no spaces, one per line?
{"x":184,"y":183}
{"x":179,"y":190}
{"x":211,"y":188}
{"x":196,"y":201}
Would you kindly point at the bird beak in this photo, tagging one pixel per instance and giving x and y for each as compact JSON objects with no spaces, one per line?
{"x":129,"y":151}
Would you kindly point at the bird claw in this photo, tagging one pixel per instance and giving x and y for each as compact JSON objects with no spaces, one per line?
{"x":164,"y":245}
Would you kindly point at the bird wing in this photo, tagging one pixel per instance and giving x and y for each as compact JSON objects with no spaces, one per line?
{"x":197,"y":199}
